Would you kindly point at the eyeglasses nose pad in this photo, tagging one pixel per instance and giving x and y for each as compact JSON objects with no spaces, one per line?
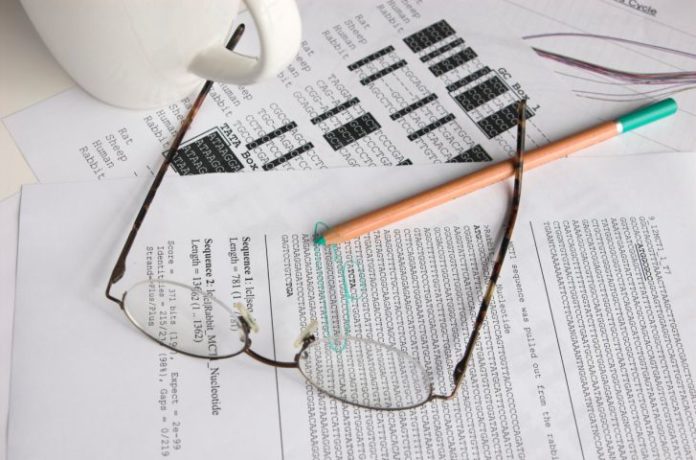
{"x":306,"y":333}
{"x":246,"y":315}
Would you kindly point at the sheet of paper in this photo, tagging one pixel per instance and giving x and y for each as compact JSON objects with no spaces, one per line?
{"x":374,"y":84}
{"x":616,"y":54}
{"x":587,"y":351}
{"x":9,"y":223}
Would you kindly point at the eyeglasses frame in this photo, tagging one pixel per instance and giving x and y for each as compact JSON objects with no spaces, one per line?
{"x":460,"y":368}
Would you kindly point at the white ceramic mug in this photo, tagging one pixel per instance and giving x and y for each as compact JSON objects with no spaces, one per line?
{"x":148,"y":53}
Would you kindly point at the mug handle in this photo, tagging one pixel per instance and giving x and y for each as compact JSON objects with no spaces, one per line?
{"x":280,"y":32}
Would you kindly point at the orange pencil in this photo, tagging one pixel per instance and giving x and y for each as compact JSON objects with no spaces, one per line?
{"x":494,"y":173}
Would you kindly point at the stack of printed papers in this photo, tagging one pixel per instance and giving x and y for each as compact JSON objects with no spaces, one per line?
{"x":586,"y":351}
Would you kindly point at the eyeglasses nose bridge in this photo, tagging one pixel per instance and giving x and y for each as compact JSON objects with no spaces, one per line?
{"x":306,"y":332}
{"x":246,"y":316}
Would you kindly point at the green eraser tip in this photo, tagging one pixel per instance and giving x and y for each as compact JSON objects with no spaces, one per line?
{"x":320,"y":240}
{"x":647,"y":114}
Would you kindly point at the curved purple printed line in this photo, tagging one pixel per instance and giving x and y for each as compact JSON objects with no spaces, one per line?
{"x":685,"y":77}
{"x":637,"y":96}
{"x":610,"y":38}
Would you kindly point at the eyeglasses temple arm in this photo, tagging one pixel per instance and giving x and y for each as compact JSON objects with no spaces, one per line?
{"x":120,"y":267}
{"x":462,"y":365}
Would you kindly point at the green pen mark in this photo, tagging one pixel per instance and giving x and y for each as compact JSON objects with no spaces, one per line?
{"x":348,"y":297}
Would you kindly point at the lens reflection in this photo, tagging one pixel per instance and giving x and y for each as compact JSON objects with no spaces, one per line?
{"x":366,"y":373}
{"x":184,"y":318}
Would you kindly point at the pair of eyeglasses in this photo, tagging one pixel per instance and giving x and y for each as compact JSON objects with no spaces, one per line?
{"x":362,"y":372}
